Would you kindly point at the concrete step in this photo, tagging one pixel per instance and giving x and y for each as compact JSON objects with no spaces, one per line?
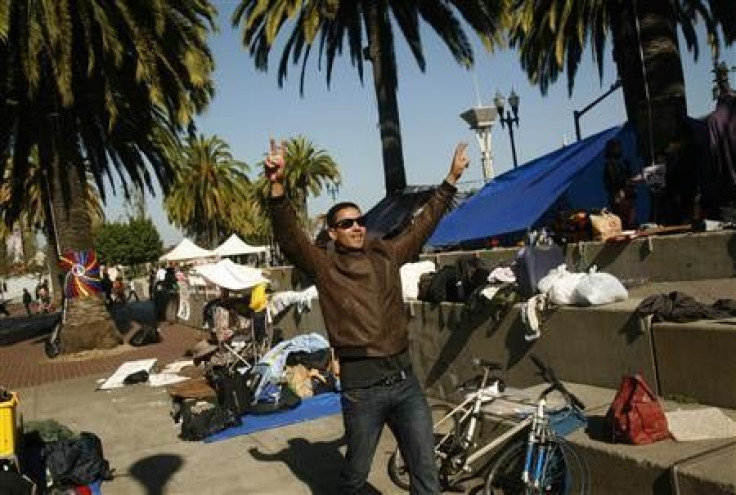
{"x":695,"y":467}
{"x":688,"y":256}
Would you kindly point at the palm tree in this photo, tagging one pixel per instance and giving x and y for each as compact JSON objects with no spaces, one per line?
{"x":93,"y":86}
{"x":210,"y":188}
{"x":367,"y":26}
{"x":309,"y":170}
{"x":551,"y":36}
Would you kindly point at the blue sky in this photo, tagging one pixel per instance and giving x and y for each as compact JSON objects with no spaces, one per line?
{"x":248,"y":108}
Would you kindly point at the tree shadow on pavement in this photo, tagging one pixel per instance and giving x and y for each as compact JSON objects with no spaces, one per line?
{"x":155,"y":471}
{"x":317,"y":464}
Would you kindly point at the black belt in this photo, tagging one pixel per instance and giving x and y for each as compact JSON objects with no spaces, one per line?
{"x":393,"y":379}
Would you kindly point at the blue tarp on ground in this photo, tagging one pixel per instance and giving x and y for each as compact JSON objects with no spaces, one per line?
{"x":310,"y":408}
{"x":570,"y":178}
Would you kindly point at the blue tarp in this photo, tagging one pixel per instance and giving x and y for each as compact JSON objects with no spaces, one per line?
{"x":570,"y":178}
{"x":315,"y":407}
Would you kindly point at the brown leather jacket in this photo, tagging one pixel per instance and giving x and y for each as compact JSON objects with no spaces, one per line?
{"x":360,"y":291}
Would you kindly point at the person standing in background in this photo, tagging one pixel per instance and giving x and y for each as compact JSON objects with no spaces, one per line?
{"x":27,"y":300}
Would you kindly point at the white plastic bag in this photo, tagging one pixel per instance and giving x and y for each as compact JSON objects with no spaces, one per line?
{"x":599,"y":288}
{"x":546,"y":282}
{"x":562,"y":292}
{"x":559,"y":285}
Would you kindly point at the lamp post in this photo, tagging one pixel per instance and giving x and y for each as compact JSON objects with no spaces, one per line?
{"x":510,"y":117}
{"x":481,"y":120}
{"x":333,"y":189}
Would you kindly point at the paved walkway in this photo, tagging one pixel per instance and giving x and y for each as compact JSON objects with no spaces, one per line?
{"x":24,"y":364}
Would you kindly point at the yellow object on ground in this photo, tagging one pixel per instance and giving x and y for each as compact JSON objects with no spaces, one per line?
{"x":8,"y":427}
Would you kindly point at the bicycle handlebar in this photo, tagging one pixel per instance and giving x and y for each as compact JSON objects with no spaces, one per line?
{"x":549,"y":376}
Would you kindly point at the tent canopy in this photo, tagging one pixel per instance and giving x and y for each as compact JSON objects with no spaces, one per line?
{"x":571,"y":176}
{"x":234,"y":246}
{"x":232,"y":276}
{"x":187,"y":250}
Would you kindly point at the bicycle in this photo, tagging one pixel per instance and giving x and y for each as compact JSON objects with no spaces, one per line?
{"x":459,"y":458}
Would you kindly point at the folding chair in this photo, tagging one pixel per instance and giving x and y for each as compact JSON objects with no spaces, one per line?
{"x":250,"y":340}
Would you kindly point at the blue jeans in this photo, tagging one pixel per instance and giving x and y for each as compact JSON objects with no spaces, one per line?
{"x":403,"y":406}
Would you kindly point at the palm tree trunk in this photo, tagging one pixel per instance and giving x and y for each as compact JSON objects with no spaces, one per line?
{"x":647,"y":56}
{"x":89,"y":324}
{"x":382,"y":58}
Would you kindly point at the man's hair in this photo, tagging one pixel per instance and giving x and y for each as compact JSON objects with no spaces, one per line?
{"x":332,"y":212}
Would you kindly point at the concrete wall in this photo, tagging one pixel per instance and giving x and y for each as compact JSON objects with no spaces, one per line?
{"x":696,"y":360}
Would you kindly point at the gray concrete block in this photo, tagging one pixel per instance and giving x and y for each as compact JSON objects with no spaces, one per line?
{"x":697,"y":360}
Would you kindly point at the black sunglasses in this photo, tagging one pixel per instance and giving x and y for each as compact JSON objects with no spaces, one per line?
{"x":347,"y":223}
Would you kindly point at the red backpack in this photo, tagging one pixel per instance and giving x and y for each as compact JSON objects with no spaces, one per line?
{"x":636,"y":416}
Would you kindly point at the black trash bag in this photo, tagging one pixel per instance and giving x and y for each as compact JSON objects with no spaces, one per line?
{"x":146,"y":335}
{"x":77,"y":461}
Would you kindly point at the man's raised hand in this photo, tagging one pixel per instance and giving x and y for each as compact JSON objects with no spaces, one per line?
{"x":460,"y":162}
{"x":274,"y":162}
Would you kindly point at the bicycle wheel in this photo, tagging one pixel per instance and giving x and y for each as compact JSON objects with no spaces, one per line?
{"x":445,"y":432}
{"x":505,"y":476}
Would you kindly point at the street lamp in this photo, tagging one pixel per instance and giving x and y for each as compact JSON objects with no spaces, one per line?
{"x":481,"y":120}
{"x":333,"y":189}
{"x":511,"y":117}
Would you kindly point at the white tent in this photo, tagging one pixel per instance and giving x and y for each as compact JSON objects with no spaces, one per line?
{"x":230,"y":275}
{"x":234,"y":246}
{"x":187,"y":250}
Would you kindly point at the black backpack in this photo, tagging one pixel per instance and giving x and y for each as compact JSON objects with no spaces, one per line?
{"x":76,"y":461}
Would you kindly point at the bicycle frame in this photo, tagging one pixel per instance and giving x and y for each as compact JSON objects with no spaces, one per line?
{"x":496,"y":442}
{"x":477,"y":399}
